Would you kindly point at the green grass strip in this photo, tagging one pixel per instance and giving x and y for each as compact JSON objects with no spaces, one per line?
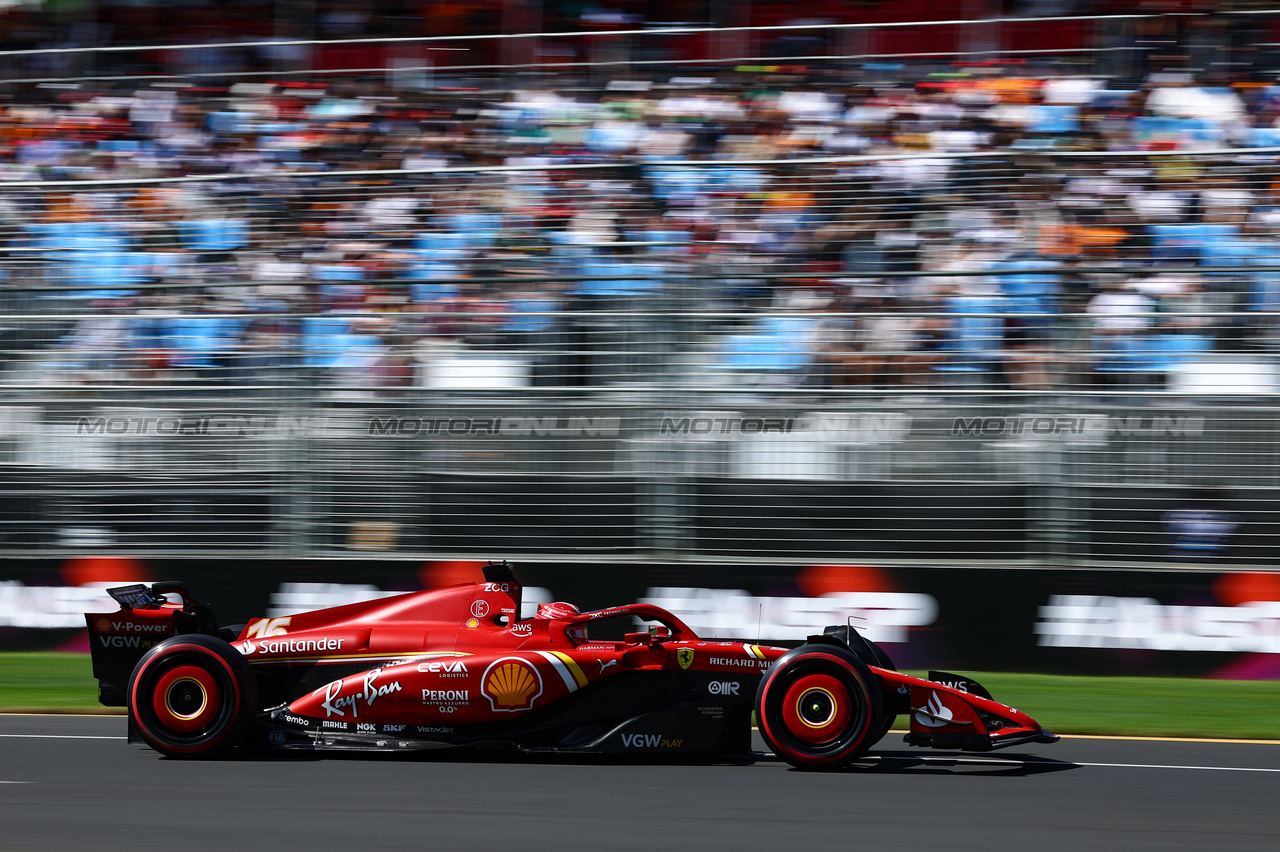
{"x":48,"y":683}
{"x":1143,"y":706}
{"x":1132,"y":706}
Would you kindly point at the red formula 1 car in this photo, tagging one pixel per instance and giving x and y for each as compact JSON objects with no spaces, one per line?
{"x":457,"y":667}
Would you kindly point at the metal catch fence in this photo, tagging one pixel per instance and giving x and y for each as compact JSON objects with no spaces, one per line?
{"x":1001,"y":357}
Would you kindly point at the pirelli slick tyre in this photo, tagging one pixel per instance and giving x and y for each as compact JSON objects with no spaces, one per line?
{"x":192,"y":696}
{"x":819,"y":707}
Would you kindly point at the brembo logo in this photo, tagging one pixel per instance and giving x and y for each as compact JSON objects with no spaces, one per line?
{"x":934,"y":714}
{"x":105,"y":626}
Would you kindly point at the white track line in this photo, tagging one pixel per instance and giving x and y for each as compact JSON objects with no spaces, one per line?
{"x":1175,"y":766}
{"x":998,"y":762}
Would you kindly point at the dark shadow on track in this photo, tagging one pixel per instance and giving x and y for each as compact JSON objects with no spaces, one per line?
{"x":1003,"y":766}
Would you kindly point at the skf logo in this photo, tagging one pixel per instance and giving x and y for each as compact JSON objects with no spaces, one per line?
{"x":684,"y":657}
{"x":511,"y":684}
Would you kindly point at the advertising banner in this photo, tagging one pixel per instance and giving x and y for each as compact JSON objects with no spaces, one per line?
{"x":1193,"y":623}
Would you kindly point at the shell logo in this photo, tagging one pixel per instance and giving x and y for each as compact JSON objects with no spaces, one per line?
{"x":511,"y":684}
{"x":103,"y":625}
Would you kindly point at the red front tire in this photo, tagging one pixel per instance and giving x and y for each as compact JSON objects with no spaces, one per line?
{"x":192,"y":696}
{"x":819,"y":707}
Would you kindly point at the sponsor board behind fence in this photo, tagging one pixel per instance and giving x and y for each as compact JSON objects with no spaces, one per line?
{"x":1190,"y":622}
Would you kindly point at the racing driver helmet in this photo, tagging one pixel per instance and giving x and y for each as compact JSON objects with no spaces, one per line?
{"x":560,"y":609}
{"x":556,"y":609}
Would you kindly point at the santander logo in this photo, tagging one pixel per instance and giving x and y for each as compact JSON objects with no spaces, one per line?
{"x":934,"y":714}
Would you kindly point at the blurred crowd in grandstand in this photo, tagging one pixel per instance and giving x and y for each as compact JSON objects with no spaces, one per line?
{"x":793,"y":225}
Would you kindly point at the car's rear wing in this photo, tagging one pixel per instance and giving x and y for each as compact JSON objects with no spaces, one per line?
{"x":117,"y":640}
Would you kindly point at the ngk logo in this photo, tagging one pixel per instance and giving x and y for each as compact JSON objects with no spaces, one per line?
{"x":105,"y":625}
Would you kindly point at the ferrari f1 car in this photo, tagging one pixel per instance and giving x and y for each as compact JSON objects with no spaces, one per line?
{"x":457,"y":667}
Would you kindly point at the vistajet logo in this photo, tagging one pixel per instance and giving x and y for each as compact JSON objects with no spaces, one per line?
{"x":1082,"y":426}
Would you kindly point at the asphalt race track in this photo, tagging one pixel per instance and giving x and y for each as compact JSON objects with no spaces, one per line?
{"x":72,"y":783}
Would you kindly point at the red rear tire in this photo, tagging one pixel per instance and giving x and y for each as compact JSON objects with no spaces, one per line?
{"x":192,"y":696}
{"x":819,"y":707}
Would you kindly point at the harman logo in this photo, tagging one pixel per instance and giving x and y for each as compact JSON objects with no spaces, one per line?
{"x":511,"y":684}
{"x":934,"y":714}
{"x":684,"y":657}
